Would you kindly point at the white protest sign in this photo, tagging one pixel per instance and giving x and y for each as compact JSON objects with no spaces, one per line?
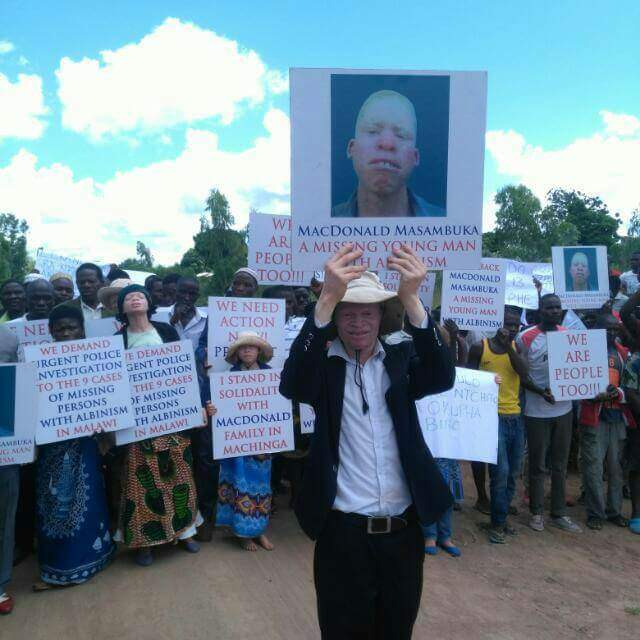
{"x":101,"y":327}
{"x":475,"y":299}
{"x":520,"y":290}
{"x":291,"y":331}
{"x":307,"y":419}
{"x":270,"y":250}
{"x":18,"y":415}
{"x":82,"y":388}
{"x":164,"y":388}
{"x":253,"y":418}
{"x":391,"y":280}
{"x":436,"y":178}
{"x":29,"y":332}
{"x":49,"y":264}
{"x":462,"y":423}
{"x":578,"y":364}
{"x":581,"y":276}
{"x":229,"y":317}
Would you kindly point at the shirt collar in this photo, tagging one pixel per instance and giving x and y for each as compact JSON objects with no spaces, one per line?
{"x":337,"y":349}
{"x":84,"y":305}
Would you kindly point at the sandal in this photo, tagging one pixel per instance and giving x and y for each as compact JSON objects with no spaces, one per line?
{"x":594,"y":523}
{"x":496,"y":536}
{"x":619,"y":521}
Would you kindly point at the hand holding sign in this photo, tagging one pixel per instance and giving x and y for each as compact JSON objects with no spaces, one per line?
{"x":338,"y":272}
{"x":412,"y":272}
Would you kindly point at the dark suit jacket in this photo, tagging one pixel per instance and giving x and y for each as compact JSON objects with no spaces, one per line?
{"x":415,"y":370}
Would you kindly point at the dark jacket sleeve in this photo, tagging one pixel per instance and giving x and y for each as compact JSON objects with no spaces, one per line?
{"x":300,"y":379}
{"x":431,"y":369}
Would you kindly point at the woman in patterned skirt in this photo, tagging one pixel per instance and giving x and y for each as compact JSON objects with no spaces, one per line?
{"x":159,"y":502}
{"x":244,"y":490}
{"x":72,"y":516}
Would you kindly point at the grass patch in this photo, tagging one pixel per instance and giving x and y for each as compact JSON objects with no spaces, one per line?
{"x":632,"y":611}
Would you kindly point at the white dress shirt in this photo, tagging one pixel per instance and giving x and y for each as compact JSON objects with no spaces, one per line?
{"x":194,"y":327}
{"x":89,"y":313}
{"x":371,"y":480}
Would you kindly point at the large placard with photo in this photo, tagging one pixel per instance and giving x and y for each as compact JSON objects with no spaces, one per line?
{"x":581,"y":276}
{"x":385,"y":157}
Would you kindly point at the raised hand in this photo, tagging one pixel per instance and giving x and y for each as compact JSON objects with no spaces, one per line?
{"x":412,"y":273}
{"x":338,"y":272}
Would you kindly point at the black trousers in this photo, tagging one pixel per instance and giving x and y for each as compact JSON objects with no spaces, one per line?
{"x":368,"y":586}
{"x":206,"y":471}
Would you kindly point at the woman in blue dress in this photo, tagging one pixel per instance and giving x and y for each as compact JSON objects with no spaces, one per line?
{"x":244,"y":490}
{"x":74,"y":542}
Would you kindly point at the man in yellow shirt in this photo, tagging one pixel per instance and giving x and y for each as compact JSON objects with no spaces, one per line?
{"x":498,"y":355}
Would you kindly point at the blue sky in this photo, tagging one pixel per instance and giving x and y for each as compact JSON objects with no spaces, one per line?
{"x":563,"y":106}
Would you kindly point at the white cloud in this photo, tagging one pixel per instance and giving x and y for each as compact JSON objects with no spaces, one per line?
{"x":6,"y":47}
{"x":160,"y":203}
{"x":21,"y":107}
{"x":604,"y":164}
{"x":178,"y":73}
{"x":620,"y":124}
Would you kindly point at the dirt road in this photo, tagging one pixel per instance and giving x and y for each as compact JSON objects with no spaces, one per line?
{"x":549,"y":585}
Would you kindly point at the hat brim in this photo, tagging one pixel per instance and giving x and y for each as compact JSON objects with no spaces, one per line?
{"x":105,"y":292}
{"x":265,"y":350}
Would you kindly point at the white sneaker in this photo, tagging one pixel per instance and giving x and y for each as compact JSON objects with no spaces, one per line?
{"x":566,"y":524}
{"x":537,"y":522}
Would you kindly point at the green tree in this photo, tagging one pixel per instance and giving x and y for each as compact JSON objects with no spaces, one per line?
{"x":588,"y":214}
{"x":218,"y":248}
{"x":143,"y":261}
{"x":619,"y":254}
{"x":13,"y":247}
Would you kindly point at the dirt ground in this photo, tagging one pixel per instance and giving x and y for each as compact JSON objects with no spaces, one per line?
{"x":548,"y":585}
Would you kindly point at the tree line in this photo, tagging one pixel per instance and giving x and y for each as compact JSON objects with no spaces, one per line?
{"x":524,"y":230}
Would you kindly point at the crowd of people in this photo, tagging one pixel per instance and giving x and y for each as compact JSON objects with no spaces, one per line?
{"x":362,"y":358}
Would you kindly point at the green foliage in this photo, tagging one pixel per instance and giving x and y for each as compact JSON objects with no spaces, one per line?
{"x":526,"y":231}
{"x":14,"y":262}
{"x":218,"y":248}
{"x":143,"y":261}
{"x":619,"y":255}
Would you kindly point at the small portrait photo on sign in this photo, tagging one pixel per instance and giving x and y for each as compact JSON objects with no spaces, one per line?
{"x":8,"y":404}
{"x":389,"y":145}
{"x":580,"y":269}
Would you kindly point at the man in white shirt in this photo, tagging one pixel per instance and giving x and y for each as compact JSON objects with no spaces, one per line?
{"x":548,"y":421}
{"x":630,"y":278}
{"x":89,"y":280}
{"x":370,"y":477}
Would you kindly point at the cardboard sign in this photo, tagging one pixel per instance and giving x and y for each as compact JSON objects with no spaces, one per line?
{"x":164,"y":388}
{"x":270,"y":250}
{"x":29,"y":332}
{"x":475,"y":299}
{"x":578,"y":364}
{"x":81,"y":387}
{"x":520,"y":290}
{"x":291,"y":331}
{"x":418,"y":136}
{"x":229,"y":317}
{"x":253,"y":418}
{"x":581,"y":276}
{"x":49,"y":264}
{"x":307,"y":419}
{"x":462,"y":423}
{"x":18,"y":417}
{"x":391,"y":280}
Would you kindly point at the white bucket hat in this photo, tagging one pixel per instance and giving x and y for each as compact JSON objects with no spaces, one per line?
{"x":250,"y":339}
{"x":114,"y":287}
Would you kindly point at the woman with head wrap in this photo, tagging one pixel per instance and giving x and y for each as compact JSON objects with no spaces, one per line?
{"x":62,"y":287}
{"x":72,"y":516}
{"x":158,"y":503}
